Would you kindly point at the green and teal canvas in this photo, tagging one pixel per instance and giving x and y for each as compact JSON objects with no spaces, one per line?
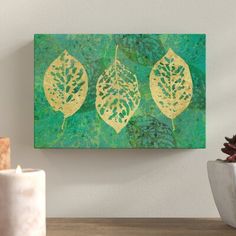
{"x":119,"y":90}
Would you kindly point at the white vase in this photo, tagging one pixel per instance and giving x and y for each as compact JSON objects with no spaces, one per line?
{"x":222,"y":177}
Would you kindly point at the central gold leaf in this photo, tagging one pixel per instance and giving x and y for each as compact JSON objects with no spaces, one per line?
{"x":118,"y":95}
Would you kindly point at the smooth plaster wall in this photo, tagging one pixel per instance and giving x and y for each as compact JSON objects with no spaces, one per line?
{"x":119,"y":183}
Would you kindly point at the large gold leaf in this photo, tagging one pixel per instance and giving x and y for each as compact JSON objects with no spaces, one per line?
{"x":171,"y":85}
{"x":118,"y":95}
{"x":65,"y":84}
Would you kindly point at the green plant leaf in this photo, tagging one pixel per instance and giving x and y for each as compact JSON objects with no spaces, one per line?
{"x":140,"y":48}
{"x":147,"y":131}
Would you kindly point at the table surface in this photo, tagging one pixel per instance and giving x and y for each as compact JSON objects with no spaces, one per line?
{"x":137,"y":227}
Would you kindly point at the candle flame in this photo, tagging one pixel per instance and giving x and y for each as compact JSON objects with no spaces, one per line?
{"x":18,"y":169}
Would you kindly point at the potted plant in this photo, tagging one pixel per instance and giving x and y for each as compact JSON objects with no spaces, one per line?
{"x":222,"y":177}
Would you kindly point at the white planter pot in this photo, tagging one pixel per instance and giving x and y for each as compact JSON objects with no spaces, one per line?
{"x":222,"y":177}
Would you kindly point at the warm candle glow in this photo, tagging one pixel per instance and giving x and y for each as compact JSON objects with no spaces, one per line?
{"x":18,"y":170}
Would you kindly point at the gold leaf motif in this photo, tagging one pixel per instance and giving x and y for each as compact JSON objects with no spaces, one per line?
{"x":65,"y":85}
{"x":171,"y":85}
{"x":117,"y":95}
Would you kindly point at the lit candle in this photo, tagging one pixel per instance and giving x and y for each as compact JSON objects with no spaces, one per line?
{"x":5,"y":162}
{"x":22,"y":202}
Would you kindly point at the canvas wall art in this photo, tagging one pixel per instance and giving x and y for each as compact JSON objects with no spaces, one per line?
{"x":119,"y":90}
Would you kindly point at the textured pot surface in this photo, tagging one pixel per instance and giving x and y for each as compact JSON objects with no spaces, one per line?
{"x":222,"y":177}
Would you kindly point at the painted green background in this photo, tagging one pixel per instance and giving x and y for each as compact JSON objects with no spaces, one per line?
{"x":148,"y":128}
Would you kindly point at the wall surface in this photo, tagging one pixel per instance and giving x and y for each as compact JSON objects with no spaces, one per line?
{"x":119,"y":183}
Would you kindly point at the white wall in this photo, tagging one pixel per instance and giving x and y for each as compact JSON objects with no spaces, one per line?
{"x":116,"y":183}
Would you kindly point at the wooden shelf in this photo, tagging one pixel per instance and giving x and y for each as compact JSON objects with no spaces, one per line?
{"x":137,"y":227}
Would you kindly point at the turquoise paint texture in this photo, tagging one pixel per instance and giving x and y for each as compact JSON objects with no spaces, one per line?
{"x":148,"y":127}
